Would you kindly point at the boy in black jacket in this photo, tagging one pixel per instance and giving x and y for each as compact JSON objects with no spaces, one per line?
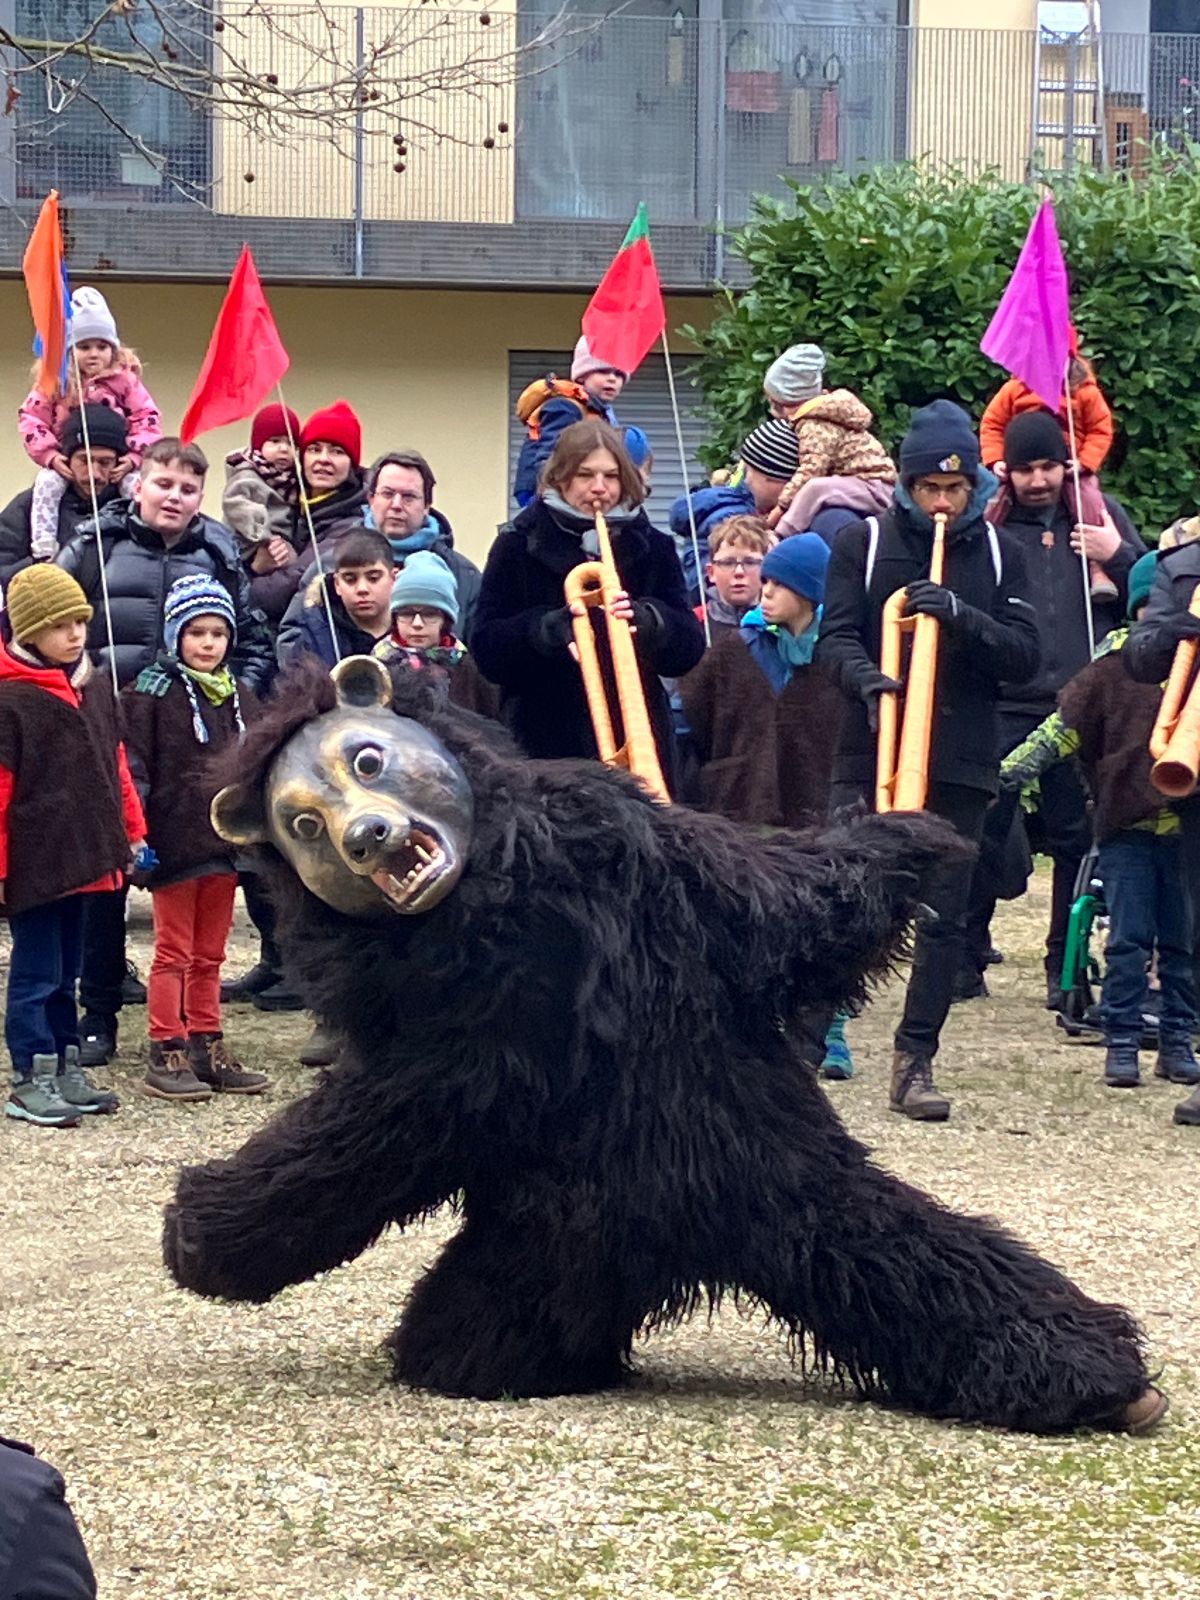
{"x":988,"y":636}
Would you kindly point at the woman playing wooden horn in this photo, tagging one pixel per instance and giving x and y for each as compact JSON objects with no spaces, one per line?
{"x":524,"y":626}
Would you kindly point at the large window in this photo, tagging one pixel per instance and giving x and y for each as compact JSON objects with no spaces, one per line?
{"x":119,"y":141}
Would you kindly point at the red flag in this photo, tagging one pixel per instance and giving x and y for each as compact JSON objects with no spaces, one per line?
{"x":49,"y":299}
{"x":1030,"y":333}
{"x":245,"y":359}
{"x":626,"y":314}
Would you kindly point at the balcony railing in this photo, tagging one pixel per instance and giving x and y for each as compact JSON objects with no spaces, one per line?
{"x":523,"y":175}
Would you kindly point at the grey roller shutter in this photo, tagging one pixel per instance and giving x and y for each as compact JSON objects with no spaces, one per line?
{"x":645,"y":404}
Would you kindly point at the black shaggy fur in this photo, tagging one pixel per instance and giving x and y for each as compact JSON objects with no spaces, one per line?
{"x":593,"y":1040}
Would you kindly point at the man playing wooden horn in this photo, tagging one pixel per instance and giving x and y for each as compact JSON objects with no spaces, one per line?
{"x":988,"y":635}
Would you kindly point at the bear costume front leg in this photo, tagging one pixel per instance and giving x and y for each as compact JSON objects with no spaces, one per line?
{"x":504,"y":1312}
{"x":312,"y":1190}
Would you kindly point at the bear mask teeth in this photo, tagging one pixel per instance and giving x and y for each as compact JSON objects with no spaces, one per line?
{"x":412,"y":870}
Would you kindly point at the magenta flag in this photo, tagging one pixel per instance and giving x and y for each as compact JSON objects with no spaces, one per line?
{"x":1030,"y":333}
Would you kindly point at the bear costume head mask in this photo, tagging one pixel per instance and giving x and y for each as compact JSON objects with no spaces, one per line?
{"x":368,"y":808}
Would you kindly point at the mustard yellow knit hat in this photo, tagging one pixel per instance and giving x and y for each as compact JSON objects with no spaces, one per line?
{"x":40,"y":596}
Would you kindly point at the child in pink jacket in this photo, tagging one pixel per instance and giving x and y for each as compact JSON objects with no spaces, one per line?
{"x":108,"y":374}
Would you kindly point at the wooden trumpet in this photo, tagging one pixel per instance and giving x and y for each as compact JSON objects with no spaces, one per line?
{"x":596,"y":584}
{"x":902,"y":753}
{"x":1175,"y":739}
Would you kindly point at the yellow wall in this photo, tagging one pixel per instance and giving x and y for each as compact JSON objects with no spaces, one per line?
{"x":996,"y":14}
{"x":423,"y":369}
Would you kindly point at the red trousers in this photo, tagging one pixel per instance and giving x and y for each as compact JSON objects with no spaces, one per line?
{"x":191,"y":924}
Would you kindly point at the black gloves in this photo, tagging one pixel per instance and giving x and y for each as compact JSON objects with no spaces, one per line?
{"x":554,"y":631}
{"x":926,"y":599}
{"x":871,"y":685}
{"x":1177,"y":627}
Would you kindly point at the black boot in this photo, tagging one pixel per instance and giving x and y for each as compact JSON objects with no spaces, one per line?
{"x":261,"y":976}
{"x":1176,"y":1061}
{"x":1121,"y":1064}
{"x":97,"y":1040}
{"x":1187,"y":1112}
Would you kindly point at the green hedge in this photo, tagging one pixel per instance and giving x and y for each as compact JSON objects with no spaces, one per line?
{"x":896,"y":273}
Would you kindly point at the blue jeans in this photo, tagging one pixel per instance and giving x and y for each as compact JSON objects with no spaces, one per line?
{"x":40,"y":1018}
{"x":1149,"y":909}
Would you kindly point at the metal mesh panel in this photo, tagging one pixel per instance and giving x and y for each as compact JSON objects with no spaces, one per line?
{"x":525,"y":144}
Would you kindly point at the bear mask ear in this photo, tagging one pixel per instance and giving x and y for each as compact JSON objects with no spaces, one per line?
{"x":238,"y":814}
{"x":362,"y":682}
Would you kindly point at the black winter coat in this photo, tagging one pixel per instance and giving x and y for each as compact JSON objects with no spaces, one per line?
{"x":140,"y":569}
{"x":521,"y":629}
{"x":74,"y":509}
{"x":995,"y":641}
{"x":1149,"y":650}
{"x":41,"y":1552}
{"x":307,"y":633}
{"x":338,"y":513}
{"x":1056,"y":594}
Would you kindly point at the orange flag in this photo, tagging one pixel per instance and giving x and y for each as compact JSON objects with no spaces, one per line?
{"x":245,"y":358}
{"x":49,"y":295}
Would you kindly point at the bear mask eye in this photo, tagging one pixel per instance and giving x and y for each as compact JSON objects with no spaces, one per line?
{"x":368,"y":763}
{"x":307,"y":825}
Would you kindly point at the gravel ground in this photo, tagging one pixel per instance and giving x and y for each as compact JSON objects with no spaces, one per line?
{"x":227,"y":1451}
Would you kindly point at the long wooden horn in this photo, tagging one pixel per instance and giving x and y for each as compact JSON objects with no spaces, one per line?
{"x":902,"y":750}
{"x":596,"y":584}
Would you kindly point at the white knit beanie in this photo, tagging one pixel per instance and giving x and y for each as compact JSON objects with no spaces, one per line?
{"x":796,"y":375}
{"x":91,"y":318}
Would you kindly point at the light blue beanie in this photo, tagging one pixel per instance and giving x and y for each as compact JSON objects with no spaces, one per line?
{"x":426,"y":580}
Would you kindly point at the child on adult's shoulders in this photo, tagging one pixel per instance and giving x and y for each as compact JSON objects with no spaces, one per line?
{"x":424,"y":615}
{"x":179,"y":713}
{"x":261,"y":489}
{"x":58,"y":741}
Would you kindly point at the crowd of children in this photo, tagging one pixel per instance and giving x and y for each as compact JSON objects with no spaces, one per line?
{"x":757,"y":682}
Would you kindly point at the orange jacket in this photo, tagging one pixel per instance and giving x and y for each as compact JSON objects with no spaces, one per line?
{"x":1093,"y":421}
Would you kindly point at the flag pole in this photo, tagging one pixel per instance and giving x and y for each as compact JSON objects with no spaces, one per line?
{"x":312,"y":532}
{"x":87,"y":445}
{"x":687,"y":491}
{"x":1083,"y":556}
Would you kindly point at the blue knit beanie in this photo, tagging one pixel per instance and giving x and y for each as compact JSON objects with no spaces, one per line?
{"x":197,"y":595}
{"x":1141,"y":581}
{"x":940,"y":438}
{"x":799,"y":563}
{"x":637,"y":446}
{"x":426,"y":580}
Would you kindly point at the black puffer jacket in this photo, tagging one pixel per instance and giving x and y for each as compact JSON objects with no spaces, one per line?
{"x":74,"y":509}
{"x":41,"y":1552}
{"x":994,"y":642}
{"x":140,"y":569}
{"x":1056,"y":594}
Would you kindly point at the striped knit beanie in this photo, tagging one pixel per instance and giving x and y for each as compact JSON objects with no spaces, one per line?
{"x":197,"y":595}
{"x":772,"y":448}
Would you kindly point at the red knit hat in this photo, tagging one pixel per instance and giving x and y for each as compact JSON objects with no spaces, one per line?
{"x":337,"y":424}
{"x":273,"y":422}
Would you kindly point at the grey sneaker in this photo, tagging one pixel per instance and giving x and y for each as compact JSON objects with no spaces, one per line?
{"x":77,"y":1089}
{"x":321,"y":1048}
{"x":36,"y":1098}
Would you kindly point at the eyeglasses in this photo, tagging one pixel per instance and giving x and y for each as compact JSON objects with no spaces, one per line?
{"x":405,"y":497}
{"x":730,"y":563}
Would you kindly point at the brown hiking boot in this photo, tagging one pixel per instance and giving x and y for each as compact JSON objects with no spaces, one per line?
{"x":914,"y":1093}
{"x":213,"y":1065}
{"x":1145,"y":1413}
{"x":169,"y":1075}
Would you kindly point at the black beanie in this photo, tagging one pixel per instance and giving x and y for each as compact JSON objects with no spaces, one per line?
{"x":1034,"y":436}
{"x":940,"y":438}
{"x":106,"y":430}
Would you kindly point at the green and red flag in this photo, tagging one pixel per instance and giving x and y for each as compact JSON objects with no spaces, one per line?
{"x":626,"y":316}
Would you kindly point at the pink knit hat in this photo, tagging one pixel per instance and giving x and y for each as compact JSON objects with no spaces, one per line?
{"x":585,"y":363}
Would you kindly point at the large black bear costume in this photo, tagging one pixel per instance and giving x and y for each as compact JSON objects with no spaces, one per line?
{"x":588,"y":1031}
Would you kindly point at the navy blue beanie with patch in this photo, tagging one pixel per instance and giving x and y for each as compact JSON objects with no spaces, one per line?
{"x":940,"y":438}
{"x":799,"y":563}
